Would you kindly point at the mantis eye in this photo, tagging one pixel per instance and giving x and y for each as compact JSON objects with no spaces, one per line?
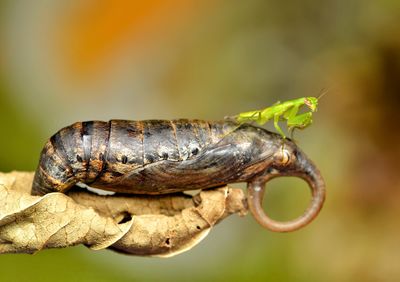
{"x":311,"y":102}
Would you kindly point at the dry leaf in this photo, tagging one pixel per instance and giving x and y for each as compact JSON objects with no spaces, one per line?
{"x":163,"y":225}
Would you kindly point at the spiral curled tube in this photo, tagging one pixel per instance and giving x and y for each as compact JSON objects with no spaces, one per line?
{"x":306,"y":170}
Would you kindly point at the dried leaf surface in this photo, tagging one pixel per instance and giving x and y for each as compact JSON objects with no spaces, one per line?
{"x":163,"y":225}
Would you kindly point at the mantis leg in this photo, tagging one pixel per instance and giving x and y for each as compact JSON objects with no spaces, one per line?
{"x":300,"y":121}
{"x":290,"y":114}
{"x":276,"y":120}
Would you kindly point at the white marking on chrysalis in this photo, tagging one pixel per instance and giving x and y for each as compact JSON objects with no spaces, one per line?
{"x":94,"y":190}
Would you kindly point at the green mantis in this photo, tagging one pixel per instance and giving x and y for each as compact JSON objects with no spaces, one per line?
{"x":287,"y":110}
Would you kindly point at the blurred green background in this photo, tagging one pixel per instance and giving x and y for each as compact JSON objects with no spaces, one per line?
{"x":64,"y":61}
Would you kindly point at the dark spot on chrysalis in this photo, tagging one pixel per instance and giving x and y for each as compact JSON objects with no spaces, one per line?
{"x":101,"y":157}
{"x":116,"y":174}
{"x":167,"y":241}
{"x":132,"y":131}
{"x":165,"y":156}
{"x":198,"y":227}
{"x":79,"y":158}
{"x":150,"y":158}
{"x":126,"y":217}
{"x":124,"y":159}
{"x":195,"y":151}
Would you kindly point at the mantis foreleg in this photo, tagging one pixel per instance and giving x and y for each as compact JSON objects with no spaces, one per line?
{"x":290,"y":114}
{"x":300,"y":121}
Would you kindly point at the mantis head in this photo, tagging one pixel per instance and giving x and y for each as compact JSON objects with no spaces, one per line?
{"x":311,"y":102}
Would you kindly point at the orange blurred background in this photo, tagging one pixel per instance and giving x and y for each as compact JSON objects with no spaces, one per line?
{"x":64,"y":61}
